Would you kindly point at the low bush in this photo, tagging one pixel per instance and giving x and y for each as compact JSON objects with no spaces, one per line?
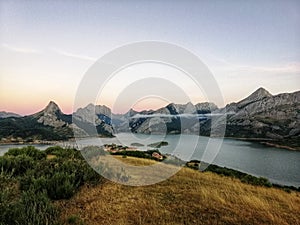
{"x":32,"y":209}
{"x":59,"y":177}
{"x":17,"y":165}
{"x":260,"y":181}
{"x":28,"y":151}
{"x":245,"y":178}
{"x":61,"y":186}
{"x":140,"y":154}
{"x":74,"y":219}
{"x":29,"y":181}
{"x":63,"y":152}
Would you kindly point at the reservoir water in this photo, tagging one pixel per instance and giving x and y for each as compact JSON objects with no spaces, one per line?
{"x":280,"y":166}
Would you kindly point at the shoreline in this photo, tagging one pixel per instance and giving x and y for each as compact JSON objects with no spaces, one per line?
{"x":263,"y":141}
{"x":174,"y":157}
{"x":44,"y":142}
{"x":266,"y":142}
{"x":270,"y":144}
{"x":37,"y":142}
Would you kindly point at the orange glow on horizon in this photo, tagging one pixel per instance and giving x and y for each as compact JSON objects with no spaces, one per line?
{"x":28,"y":108}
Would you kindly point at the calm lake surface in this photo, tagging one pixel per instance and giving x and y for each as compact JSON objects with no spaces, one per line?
{"x":278,"y":165}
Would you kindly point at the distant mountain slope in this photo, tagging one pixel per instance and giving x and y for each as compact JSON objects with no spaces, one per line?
{"x":92,"y":119}
{"x":262,"y":115}
{"x":48,"y":124}
{"x":4,"y":114}
{"x":172,"y":119}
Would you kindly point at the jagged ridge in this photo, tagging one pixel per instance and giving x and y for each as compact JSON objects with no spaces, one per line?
{"x":260,"y":115}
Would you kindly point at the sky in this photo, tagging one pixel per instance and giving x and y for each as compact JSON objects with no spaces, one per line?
{"x":46,"y":47}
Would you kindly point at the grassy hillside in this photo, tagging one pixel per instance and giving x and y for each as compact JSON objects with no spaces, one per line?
{"x":57,"y":186}
{"x":189,"y":197}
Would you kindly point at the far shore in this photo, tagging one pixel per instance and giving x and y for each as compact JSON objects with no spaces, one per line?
{"x":36,"y":142}
{"x":280,"y":146}
{"x":267,"y":142}
{"x":264,"y":141}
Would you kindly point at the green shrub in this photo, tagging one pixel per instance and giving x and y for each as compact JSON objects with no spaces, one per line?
{"x":5,"y":208}
{"x":28,"y":151}
{"x":17,"y":165}
{"x":246,"y":178}
{"x":261,"y":181}
{"x":29,"y":182}
{"x":39,"y":181}
{"x":74,"y":219}
{"x":63,"y":152}
{"x":61,"y":186}
{"x":32,"y":209}
{"x":140,"y":154}
{"x":59,"y":177}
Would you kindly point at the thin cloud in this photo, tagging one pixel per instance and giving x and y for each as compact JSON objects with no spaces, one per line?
{"x":72,"y":55}
{"x":184,"y":115}
{"x":283,"y":68}
{"x":20,"y":50}
{"x":286,"y":68}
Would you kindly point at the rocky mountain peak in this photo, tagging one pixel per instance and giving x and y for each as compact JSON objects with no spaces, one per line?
{"x":52,"y":107}
{"x":206,"y":107}
{"x":189,"y":108}
{"x":257,"y":95}
{"x":131,"y":112}
{"x":52,"y":116}
{"x":260,"y":93}
{"x":189,"y":104}
{"x":185,"y":108}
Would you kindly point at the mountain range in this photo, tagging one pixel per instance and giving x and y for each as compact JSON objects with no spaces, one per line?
{"x":261,"y":116}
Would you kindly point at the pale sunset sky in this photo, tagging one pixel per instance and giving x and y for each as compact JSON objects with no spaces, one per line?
{"x":47,"y":46}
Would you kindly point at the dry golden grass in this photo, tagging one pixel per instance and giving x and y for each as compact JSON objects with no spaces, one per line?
{"x":189,"y":197}
{"x":51,"y":156}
